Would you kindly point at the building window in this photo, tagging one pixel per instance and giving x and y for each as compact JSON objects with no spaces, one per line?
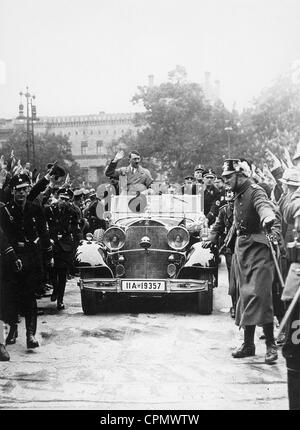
{"x":85,"y":174}
{"x":91,"y":131}
{"x":76,"y":132}
{"x":84,"y":147}
{"x":99,"y":144}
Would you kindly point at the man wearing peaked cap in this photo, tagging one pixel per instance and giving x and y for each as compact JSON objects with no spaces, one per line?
{"x":290,"y":182}
{"x":198,"y":173}
{"x":199,"y":167}
{"x":63,"y":221}
{"x":55,"y":170}
{"x":25,"y":227}
{"x":254,"y":215}
{"x":209,"y":174}
{"x":78,"y":192}
{"x":211,"y":196}
{"x":20,"y":181}
{"x":65,"y":193}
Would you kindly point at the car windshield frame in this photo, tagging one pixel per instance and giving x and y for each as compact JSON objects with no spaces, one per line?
{"x":175,"y":206}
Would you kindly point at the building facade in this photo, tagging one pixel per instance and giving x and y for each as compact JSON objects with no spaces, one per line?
{"x":92,"y":138}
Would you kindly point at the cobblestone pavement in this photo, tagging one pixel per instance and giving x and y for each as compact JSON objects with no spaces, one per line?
{"x":147,"y":355}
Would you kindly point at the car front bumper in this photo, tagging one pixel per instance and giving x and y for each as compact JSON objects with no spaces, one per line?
{"x":172,"y":286}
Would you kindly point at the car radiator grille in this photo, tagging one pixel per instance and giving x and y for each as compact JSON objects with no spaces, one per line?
{"x":142,"y":264}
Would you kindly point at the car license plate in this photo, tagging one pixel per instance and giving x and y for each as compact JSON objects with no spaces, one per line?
{"x":143,"y":286}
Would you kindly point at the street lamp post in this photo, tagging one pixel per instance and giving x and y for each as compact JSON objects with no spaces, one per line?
{"x":30,"y":118}
{"x":228,"y":130}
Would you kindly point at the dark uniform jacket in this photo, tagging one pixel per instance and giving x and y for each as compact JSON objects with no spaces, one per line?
{"x":91,"y":215}
{"x":25,"y":229}
{"x":254,"y":265}
{"x":223,"y":224}
{"x":28,"y":234}
{"x":64,"y":229}
{"x":211,"y":203}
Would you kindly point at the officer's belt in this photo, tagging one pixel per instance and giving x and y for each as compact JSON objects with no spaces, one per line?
{"x":244,"y":232}
{"x":25,"y":245}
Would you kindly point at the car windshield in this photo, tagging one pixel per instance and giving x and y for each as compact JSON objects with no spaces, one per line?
{"x":157,"y":206}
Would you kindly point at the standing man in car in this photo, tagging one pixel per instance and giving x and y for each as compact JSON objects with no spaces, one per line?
{"x":133,"y":177}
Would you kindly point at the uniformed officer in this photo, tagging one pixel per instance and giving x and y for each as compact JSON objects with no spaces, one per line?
{"x":65,"y":232}
{"x":218,"y":235}
{"x":291,"y":348}
{"x":253,"y":214}
{"x":211,"y":197}
{"x":90,"y":214}
{"x":198,"y":173}
{"x":25,"y":226}
{"x":10,"y":260}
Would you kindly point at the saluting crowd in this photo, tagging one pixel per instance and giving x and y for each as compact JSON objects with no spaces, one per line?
{"x":42,"y":220}
{"x":252,"y":214}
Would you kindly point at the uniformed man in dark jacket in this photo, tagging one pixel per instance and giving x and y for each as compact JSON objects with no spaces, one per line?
{"x":253,"y":216}
{"x":217,"y":236}
{"x":25,"y":226}
{"x":211,"y":197}
{"x":9,"y":260}
{"x":291,"y":348}
{"x":63,"y":221}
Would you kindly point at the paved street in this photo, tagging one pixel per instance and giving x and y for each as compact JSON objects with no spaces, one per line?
{"x":146,"y":355}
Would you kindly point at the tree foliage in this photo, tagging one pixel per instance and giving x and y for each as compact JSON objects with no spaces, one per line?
{"x":179,"y":127}
{"x":272,"y":122}
{"x":48,"y":148}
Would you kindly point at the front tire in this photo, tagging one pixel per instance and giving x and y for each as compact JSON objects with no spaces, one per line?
{"x":205,"y":298}
{"x":89,"y":302}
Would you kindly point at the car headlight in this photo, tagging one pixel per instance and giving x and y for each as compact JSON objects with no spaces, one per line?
{"x":114,"y":238}
{"x":178,"y":238}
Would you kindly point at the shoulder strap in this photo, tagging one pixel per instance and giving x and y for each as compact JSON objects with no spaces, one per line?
{"x":11,"y":218}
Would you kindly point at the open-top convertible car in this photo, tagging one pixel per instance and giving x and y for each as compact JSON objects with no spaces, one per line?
{"x":151,"y":248}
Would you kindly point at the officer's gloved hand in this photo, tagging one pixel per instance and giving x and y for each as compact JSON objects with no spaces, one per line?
{"x":268,"y":222}
{"x":18,"y":265}
{"x":206,"y":243}
{"x":50,"y":263}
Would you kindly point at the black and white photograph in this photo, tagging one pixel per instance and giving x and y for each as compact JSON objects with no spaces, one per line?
{"x":149,"y":208}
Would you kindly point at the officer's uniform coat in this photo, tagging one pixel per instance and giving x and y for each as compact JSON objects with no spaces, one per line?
{"x":253,"y":262}
{"x":7,"y":259}
{"x":220,"y":230}
{"x":211,"y":203}
{"x":28,"y":234}
{"x":64,"y":229}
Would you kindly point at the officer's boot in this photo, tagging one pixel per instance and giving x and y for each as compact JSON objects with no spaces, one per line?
{"x":30,"y":322}
{"x":61,"y":290}
{"x":247,"y":349}
{"x":12,"y":335}
{"x":293,"y":374}
{"x":4,"y":355}
{"x":271,"y":353}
